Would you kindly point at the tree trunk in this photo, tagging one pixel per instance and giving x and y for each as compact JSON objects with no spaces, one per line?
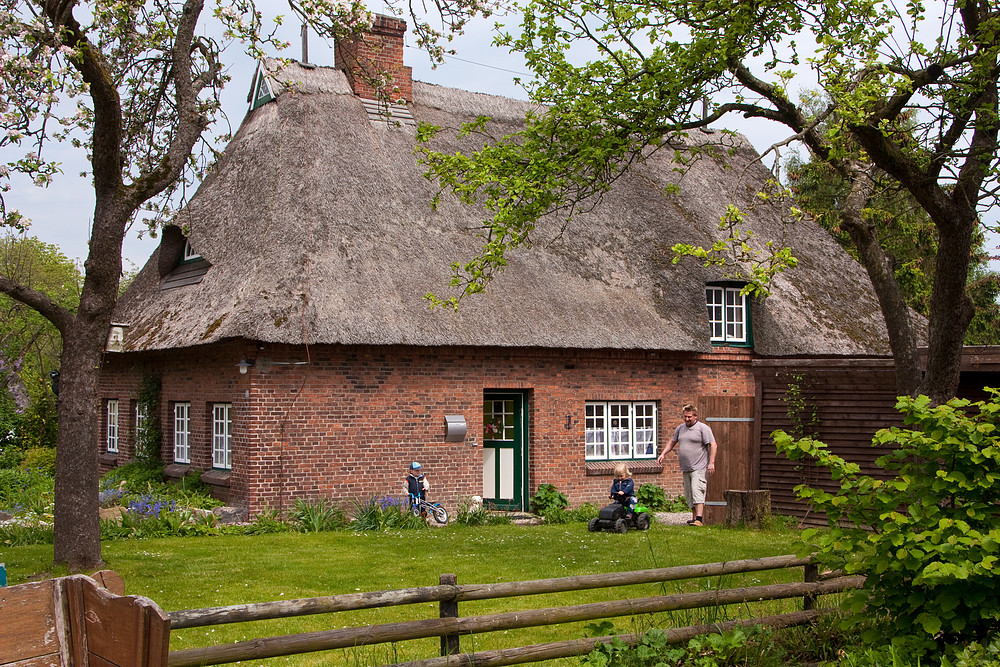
{"x":951,"y":309}
{"x":77,"y":525}
{"x":77,"y":541}
{"x":747,"y":508}
{"x":895,"y":311}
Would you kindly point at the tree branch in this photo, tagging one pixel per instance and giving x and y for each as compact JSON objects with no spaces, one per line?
{"x":52,"y":311}
{"x":190,"y":123}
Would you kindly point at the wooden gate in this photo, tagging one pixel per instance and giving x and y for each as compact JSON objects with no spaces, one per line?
{"x":77,"y":620}
{"x":732,"y":420}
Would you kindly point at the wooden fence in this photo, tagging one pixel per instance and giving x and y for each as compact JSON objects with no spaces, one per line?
{"x":449,"y":626}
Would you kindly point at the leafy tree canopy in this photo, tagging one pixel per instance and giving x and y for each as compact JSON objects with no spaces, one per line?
{"x":912,"y":91}
{"x":907,"y":236}
{"x":24,"y":334}
{"x":134,"y":86}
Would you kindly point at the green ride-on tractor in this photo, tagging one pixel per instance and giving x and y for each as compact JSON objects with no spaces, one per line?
{"x":613,"y":518}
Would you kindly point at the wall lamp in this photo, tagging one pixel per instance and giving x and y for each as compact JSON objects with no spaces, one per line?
{"x":245,"y":365}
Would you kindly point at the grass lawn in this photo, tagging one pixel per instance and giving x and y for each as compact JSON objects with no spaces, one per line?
{"x":188,"y":573}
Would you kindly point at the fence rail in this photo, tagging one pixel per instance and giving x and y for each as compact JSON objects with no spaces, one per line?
{"x":449,"y":627}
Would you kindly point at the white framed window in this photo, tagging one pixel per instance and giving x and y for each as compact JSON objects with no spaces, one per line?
{"x":222,"y":436}
{"x":499,"y":420}
{"x":140,"y":420}
{"x":111,"y":436}
{"x":728,"y":315}
{"x":620,"y":430}
{"x":595,"y":420}
{"x":189,"y":252}
{"x":182,"y":433}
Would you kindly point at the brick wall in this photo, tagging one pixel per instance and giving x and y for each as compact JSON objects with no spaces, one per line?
{"x":377,"y":56}
{"x":346,"y":424}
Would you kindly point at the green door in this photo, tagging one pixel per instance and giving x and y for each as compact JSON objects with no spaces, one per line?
{"x":504,"y":450}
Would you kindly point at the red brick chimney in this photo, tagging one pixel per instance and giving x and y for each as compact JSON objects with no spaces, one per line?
{"x":375,"y":55}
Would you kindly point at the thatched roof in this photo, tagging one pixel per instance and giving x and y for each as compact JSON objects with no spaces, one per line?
{"x":317,"y":228}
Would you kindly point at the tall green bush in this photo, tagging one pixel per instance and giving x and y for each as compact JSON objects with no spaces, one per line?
{"x":548,"y":499}
{"x":42,"y":459}
{"x":40,"y":421}
{"x":20,"y":488}
{"x":651,"y":496}
{"x":928,"y":537}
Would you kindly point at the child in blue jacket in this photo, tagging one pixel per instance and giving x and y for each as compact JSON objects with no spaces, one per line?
{"x":416,"y":485}
{"x":623,"y":489}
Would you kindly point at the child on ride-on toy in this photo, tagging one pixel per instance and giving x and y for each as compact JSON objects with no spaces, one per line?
{"x":623,"y":490}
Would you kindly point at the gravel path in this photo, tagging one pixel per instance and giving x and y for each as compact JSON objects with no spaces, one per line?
{"x":672,"y":518}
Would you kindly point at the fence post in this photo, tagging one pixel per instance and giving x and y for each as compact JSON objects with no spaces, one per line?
{"x":448,"y":609}
{"x":811,"y":576}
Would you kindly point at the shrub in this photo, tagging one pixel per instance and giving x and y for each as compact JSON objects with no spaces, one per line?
{"x":384,"y":513}
{"x":654,"y":648}
{"x":154,"y":517}
{"x":314,"y":516}
{"x":22,"y":490}
{"x":142,"y":481}
{"x":10,"y":455}
{"x":651,"y":496}
{"x":928,"y":538}
{"x":42,"y":459}
{"x":584,"y":512}
{"x":556,"y":515}
{"x":147,"y":450}
{"x":137,"y":476}
{"x":265,"y":523}
{"x":677,"y":504}
{"x":548,"y":498}
{"x":39,"y":425}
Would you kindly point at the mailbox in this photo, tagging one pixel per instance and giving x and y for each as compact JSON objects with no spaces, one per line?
{"x":455,"y":428}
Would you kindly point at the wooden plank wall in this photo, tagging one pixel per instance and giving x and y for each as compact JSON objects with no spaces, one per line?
{"x":852,"y":400}
{"x":79,"y":620}
{"x":732,"y":421}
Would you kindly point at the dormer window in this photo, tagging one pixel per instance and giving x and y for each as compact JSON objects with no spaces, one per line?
{"x":728,"y":316}
{"x":179,"y":263}
{"x":189,"y":253}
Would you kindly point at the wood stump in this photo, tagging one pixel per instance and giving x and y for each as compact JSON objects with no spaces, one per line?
{"x":747,"y":508}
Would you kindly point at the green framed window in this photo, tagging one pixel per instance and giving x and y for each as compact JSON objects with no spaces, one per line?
{"x":728,"y":315}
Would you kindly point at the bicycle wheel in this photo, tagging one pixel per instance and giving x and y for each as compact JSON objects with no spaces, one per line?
{"x":440,"y":513}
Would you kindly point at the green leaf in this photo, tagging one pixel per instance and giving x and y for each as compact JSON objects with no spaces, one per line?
{"x":930,"y":623}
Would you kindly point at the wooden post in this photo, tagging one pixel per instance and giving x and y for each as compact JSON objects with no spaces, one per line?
{"x":449,"y":609}
{"x":811,"y":575}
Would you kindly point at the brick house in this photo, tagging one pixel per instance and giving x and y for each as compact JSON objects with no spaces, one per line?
{"x":284,"y":317}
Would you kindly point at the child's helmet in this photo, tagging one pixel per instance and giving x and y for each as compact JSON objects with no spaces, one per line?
{"x":414,"y":466}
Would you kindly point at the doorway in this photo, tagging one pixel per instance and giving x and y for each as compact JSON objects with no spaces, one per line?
{"x":505,"y":450}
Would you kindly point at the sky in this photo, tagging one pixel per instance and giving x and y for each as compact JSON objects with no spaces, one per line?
{"x":61,"y":213}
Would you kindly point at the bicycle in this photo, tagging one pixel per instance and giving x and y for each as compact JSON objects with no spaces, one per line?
{"x":421,"y":507}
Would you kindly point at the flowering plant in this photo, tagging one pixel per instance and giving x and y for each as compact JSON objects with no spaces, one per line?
{"x":493,"y":429}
